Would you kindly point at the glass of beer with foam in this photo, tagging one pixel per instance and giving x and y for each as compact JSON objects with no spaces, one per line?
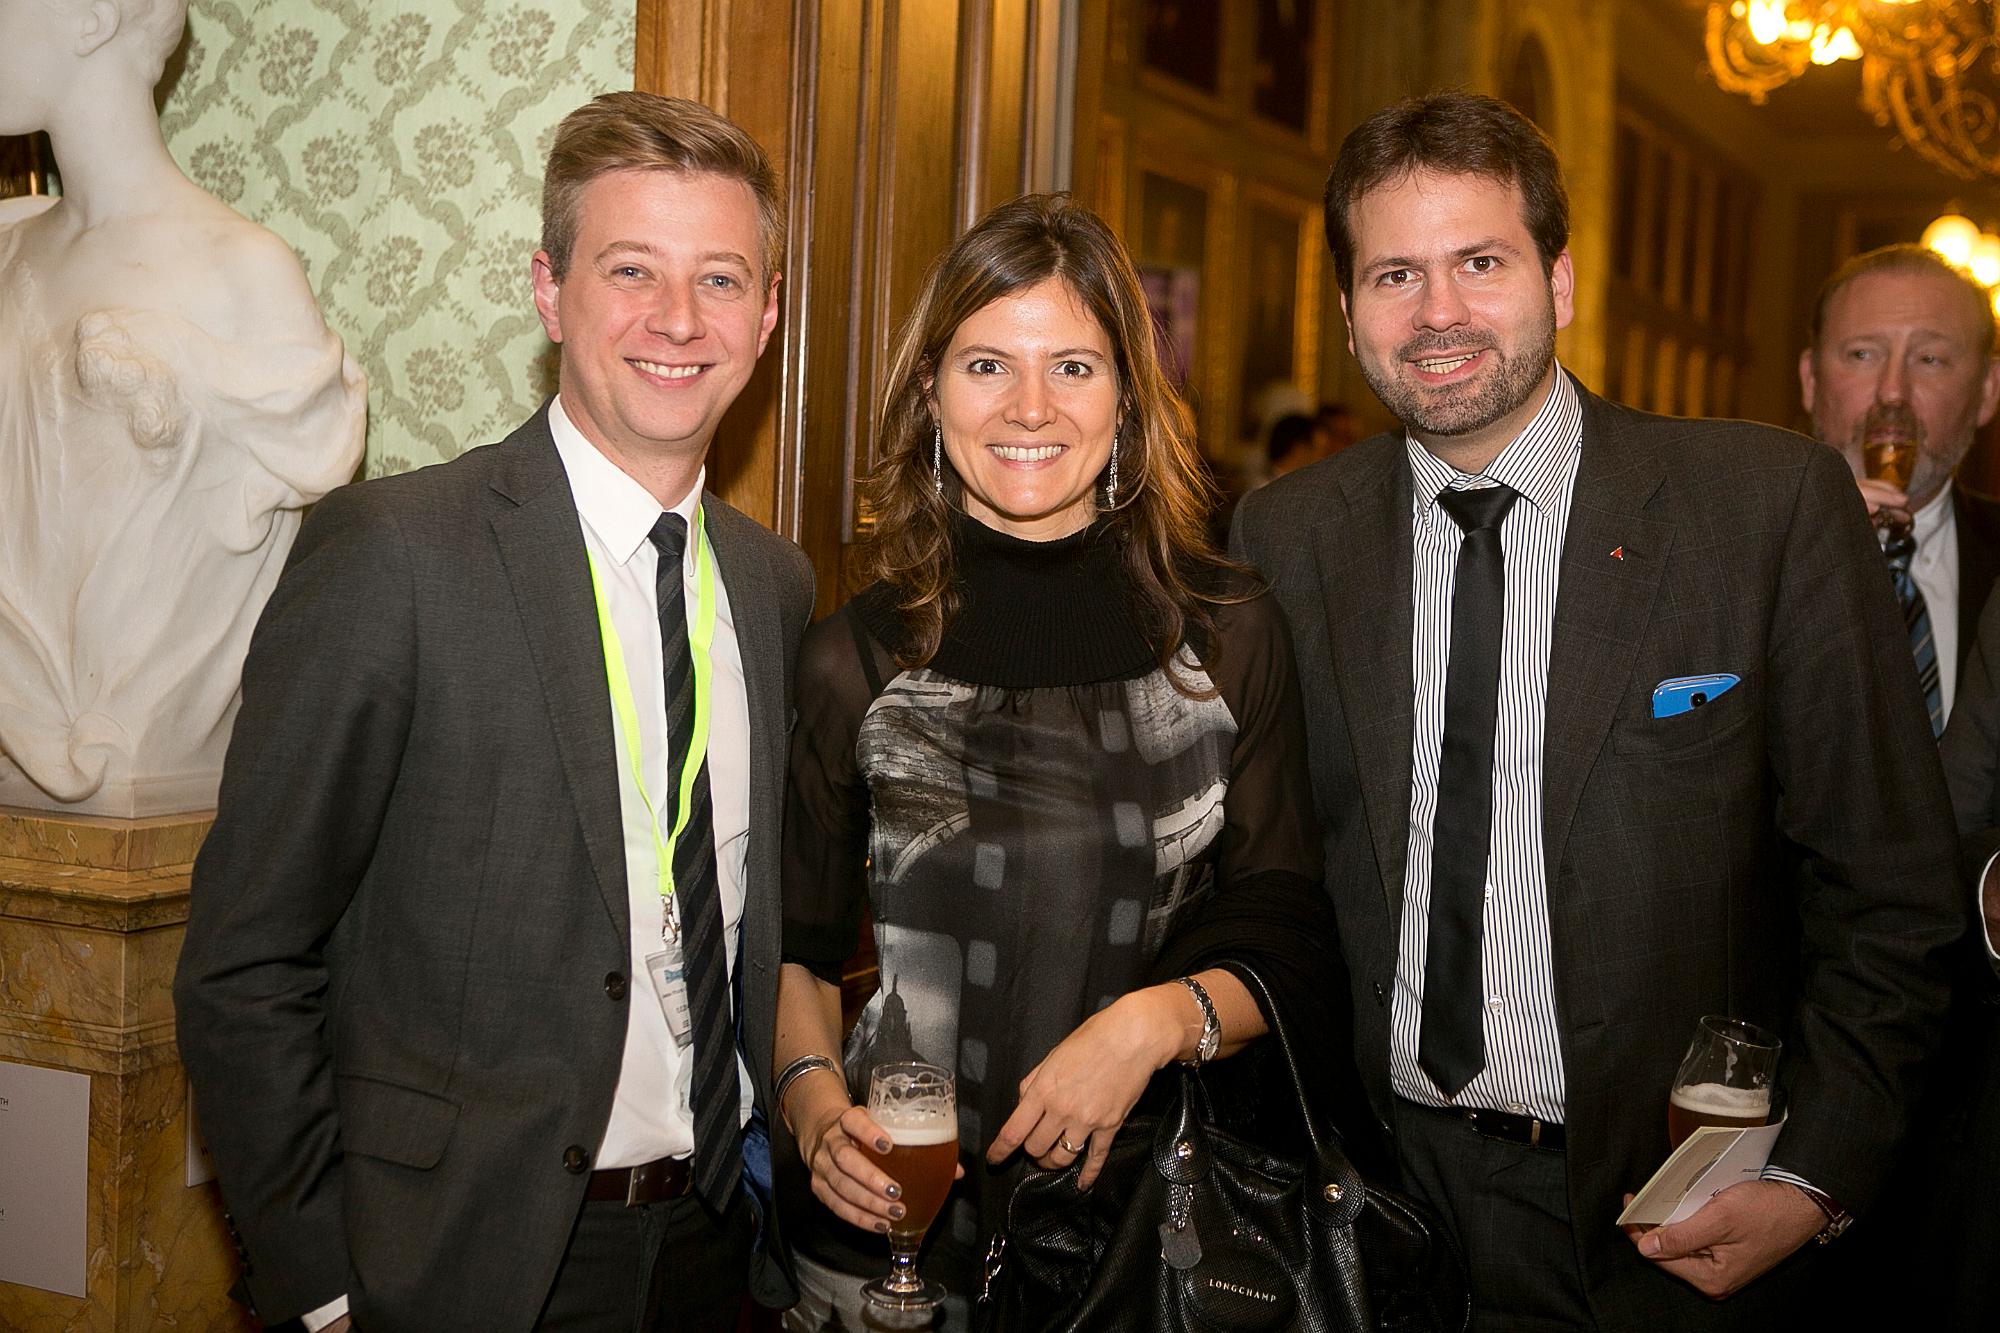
{"x":917,"y":1107}
{"x":1725,"y":1080}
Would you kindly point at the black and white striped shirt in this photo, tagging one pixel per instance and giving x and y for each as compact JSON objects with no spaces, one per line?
{"x":1524,"y":1067}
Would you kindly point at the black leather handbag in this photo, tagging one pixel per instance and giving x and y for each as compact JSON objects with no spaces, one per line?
{"x":1192,"y":1228}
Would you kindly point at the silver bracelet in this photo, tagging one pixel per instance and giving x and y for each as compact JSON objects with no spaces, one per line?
{"x":805,"y":1064}
{"x":1211,"y":1026}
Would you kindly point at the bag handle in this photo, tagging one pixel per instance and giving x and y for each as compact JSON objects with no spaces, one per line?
{"x":1338,"y":1188}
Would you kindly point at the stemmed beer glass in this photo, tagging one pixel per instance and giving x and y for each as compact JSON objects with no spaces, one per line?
{"x":917,"y":1107}
{"x":1725,"y":1079}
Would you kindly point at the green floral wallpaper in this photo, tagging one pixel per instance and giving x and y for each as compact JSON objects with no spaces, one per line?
{"x":398,"y":145}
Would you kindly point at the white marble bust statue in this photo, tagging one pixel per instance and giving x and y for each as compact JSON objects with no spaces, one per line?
{"x":170,"y":400}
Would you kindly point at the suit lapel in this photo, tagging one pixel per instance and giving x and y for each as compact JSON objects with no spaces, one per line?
{"x":541,"y":546}
{"x":1364,"y":565}
{"x":1603,"y":603}
{"x":1978,"y":566}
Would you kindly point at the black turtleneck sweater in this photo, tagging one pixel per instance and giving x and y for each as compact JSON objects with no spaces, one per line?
{"x":1030,"y":613}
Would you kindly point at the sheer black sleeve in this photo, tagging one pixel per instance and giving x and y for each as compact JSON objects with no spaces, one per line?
{"x":825,"y":880}
{"x":1269,"y":908}
{"x":1268,"y":826}
{"x":1270,"y":912}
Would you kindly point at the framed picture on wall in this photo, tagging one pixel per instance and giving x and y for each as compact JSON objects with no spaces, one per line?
{"x":1279,"y":298}
{"x":1170,"y":250}
{"x":1182,"y":40}
{"x":1284,"y":68}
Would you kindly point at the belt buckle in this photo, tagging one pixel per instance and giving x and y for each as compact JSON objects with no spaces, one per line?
{"x":633,"y":1177}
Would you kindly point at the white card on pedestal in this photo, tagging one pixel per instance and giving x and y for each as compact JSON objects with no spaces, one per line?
{"x":44,"y":1176}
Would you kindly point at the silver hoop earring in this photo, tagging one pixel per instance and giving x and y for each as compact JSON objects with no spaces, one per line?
{"x":1111,"y":480}
{"x":937,"y":457}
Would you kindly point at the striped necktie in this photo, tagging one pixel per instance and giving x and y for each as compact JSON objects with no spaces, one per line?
{"x":714,"y":1095}
{"x":1917,"y":619}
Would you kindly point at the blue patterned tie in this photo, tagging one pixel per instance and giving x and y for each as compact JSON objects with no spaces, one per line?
{"x":1917,"y":618}
{"x":713,"y":1095}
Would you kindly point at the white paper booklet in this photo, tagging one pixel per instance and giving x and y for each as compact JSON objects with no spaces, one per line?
{"x":1709,"y":1162}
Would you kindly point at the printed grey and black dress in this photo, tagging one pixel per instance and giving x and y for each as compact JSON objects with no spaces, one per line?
{"x":1029,"y":819}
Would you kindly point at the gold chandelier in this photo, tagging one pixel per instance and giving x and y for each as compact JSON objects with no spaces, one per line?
{"x":1931,"y":68}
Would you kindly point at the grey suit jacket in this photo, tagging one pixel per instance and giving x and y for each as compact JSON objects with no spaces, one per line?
{"x":1783,"y":854}
{"x":401,"y":1000}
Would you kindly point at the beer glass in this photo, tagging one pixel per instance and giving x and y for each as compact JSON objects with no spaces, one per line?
{"x":1889,"y":446}
{"x":917,"y":1107}
{"x":1725,"y":1079}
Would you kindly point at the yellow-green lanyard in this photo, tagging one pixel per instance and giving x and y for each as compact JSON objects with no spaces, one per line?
{"x":701,"y":636}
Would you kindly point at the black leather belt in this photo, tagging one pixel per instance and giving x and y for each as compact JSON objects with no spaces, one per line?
{"x":654,"y":1182}
{"x":1502,"y":1125}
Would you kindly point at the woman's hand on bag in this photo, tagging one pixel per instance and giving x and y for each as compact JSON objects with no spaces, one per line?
{"x":1073,"y":1102}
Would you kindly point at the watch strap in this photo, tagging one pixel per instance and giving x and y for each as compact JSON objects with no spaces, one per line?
{"x":1838,"y":1219}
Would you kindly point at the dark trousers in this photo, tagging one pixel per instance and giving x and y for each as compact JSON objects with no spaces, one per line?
{"x":675,"y":1267}
{"x":1508,"y":1205}
{"x":1927,"y":1255}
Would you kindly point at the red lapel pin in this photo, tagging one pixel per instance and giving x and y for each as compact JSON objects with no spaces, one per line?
{"x":1618,"y":554}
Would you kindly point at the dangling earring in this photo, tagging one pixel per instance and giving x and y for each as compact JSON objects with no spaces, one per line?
{"x":1111,"y":480}
{"x":937,"y":457}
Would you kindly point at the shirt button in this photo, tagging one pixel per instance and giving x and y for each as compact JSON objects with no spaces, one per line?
{"x":575,"y":1159}
{"x":1494,"y":1002}
{"x":614,"y":985}
{"x":1518,"y":1108}
{"x":1489,"y":893}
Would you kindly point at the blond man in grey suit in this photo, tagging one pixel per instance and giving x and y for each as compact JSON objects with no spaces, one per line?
{"x":478,"y":987}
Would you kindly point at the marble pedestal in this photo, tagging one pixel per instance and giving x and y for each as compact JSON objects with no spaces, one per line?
{"x":92,"y":911}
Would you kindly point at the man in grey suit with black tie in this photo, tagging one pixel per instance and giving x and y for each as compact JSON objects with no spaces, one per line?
{"x":1612,"y":725}
{"x":477,"y":995}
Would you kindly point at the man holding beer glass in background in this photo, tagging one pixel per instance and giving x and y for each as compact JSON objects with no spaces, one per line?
{"x":1899,"y":376}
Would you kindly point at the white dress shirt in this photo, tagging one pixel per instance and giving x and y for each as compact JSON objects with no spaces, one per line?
{"x":1524,"y":1065}
{"x":650,"y":1117}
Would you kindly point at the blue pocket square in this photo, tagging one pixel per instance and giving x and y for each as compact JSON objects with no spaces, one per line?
{"x":1682,"y":693}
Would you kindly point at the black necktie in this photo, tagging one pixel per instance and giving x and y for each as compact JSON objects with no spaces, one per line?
{"x":713,"y":1095}
{"x":1902,"y":547}
{"x":1451,"y":1046}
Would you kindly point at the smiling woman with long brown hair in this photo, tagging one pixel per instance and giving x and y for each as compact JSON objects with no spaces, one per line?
{"x":1055,"y":749}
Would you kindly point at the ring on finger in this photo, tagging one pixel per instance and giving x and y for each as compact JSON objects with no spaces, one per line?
{"x":1068,"y":1147}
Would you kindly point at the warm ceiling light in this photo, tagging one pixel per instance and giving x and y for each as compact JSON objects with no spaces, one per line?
{"x":1931,"y":68}
{"x":1827,"y":48}
{"x":1985,"y":262}
{"x":1953,"y":236}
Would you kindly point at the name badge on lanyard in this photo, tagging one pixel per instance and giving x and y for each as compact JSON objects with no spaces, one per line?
{"x":667,"y":968}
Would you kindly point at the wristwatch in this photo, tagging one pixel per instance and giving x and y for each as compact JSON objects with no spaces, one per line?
{"x":1838,"y":1219}
{"x":1211,"y":1026}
